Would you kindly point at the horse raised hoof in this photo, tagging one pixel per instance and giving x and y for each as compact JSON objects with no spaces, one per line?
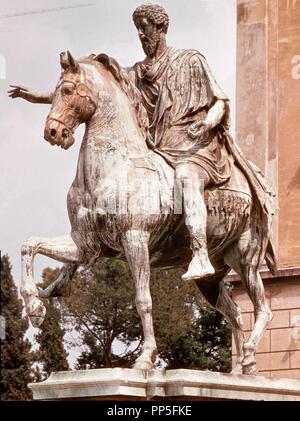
{"x":37,"y":312}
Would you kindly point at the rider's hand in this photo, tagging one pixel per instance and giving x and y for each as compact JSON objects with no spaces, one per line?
{"x":198,"y":129}
{"x":22,"y":92}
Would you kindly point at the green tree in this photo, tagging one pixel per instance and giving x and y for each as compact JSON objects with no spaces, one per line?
{"x":51,"y":353}
{"x":102,"y":309}
{"x":15,"y":348}
{"x":205,"y":346}
{"x":173,"y":307}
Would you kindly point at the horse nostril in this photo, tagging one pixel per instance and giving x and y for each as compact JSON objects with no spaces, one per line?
{"x":52,"y":133}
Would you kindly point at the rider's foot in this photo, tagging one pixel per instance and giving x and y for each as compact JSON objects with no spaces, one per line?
{"x":199,"y":268}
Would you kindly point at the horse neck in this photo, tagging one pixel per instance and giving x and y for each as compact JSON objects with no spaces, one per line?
{"x":114,"y":126}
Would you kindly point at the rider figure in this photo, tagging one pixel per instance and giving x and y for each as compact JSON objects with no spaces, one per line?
{"x":188,"y":113}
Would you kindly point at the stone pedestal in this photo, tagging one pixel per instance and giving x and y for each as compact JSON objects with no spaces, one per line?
{"x":130,"y":384}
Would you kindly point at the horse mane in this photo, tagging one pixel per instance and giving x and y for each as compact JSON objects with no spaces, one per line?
{"x":127,"y":86}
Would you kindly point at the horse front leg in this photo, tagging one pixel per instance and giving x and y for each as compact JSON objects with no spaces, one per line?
{"x":62,"y":249}
{"x":61,"y":287}
{"x":135,"y":245}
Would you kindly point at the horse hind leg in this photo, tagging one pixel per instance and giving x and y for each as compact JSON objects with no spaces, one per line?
{"x":243,"y":258}
{"x":218,"y":297}
{"x":263,"y":316}
{"x":135,"y":243}
{"x":232,"y":312}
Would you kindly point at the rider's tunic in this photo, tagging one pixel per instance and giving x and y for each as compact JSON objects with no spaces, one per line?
{"x":177,"y":90}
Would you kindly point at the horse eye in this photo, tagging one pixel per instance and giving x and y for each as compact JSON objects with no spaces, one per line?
{"x":77,"y":110}
{"x":67,"y":91}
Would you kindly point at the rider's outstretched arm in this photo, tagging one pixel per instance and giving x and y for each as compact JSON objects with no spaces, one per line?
{"x":44,"y":98}
{"x":17,"y":91}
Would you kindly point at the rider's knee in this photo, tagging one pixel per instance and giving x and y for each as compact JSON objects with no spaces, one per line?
{"x":193,"y":173}
{"x":183,"y":172}
{"x":179,"y":174}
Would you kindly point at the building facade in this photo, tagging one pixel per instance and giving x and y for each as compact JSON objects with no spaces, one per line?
{"x":268,"y":131}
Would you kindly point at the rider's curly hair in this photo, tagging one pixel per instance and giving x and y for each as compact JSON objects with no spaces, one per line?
{"x":154,"y":12}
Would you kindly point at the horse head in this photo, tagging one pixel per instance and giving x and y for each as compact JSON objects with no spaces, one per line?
{"x":76,"y":97}
{"x":74,"y":102}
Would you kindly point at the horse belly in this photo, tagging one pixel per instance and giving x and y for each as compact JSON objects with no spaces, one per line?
{"x":228,"y":214}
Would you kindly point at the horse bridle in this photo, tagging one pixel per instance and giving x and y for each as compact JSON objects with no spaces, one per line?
{"x":82,"y":91}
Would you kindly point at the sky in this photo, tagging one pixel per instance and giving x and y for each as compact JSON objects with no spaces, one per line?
{"x":35,"y":176}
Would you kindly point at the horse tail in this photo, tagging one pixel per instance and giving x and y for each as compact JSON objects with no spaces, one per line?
{"x":271,"y":258}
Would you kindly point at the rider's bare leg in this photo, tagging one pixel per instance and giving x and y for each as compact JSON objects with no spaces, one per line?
{"x":193,"y":180}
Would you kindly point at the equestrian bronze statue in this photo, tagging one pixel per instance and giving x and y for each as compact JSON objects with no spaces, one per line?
{"x":159,"y":182}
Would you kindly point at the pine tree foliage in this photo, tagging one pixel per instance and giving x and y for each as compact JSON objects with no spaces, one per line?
{"x":15,"y":347}
{"x":101,"y":308}
{"x":51,"y":353}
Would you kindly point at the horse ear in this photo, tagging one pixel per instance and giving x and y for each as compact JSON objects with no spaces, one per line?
{"x":71,"y":60}
{"x":67,"y":61}
{"x":63,"y":60}
{"x":102,"y":58}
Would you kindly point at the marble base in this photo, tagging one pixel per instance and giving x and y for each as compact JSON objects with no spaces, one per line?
{"x":131,"y":384}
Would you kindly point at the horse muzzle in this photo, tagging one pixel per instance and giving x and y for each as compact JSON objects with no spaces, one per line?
{"x":57,"y":133}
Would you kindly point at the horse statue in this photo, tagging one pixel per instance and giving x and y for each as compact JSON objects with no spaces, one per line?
{"x":124,"y":203}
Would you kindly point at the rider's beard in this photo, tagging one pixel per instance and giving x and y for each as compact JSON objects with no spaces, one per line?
{"x":150,"y":44}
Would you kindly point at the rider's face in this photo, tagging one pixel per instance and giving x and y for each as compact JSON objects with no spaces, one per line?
{"x":149,"y":35}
